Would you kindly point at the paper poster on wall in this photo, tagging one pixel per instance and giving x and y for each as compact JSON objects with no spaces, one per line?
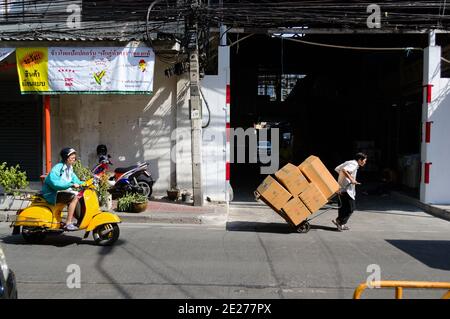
{"x":32,"y":70}
{"x":106,"y":70}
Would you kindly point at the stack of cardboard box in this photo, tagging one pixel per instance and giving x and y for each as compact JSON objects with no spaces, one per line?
{"x":298,"y":191}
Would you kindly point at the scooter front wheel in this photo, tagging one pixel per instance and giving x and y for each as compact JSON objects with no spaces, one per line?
{"x":106,"y":234}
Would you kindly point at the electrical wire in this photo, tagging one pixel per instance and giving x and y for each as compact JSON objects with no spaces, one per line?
{"x":207,"y":106}
{"x":252,"y":14}
{"x":353,"y":47}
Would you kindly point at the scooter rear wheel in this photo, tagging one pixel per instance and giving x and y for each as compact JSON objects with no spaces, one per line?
{"x":145,"y":188}
{"x":106,"y":234}
{"x":32,"y":236}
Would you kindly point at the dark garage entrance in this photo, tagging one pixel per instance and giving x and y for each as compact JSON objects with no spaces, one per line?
{"x":332,"y":103}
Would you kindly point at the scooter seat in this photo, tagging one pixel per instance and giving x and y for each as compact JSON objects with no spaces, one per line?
{"x":124,"y":169}
{"x":39,"y":197}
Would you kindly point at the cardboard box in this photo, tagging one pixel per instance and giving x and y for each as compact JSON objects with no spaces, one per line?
{"x":290,"y":177}
{"x":296,"y":211}
{"x":273,"y":193}
{"x":313,"y":198}
{"x":319,"y":175}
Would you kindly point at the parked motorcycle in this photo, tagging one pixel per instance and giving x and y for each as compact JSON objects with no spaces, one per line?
{"x":40,"y":218}
{"x":132,"y":179}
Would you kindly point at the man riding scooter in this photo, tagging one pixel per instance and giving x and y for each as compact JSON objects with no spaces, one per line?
{"x":59,"y":183}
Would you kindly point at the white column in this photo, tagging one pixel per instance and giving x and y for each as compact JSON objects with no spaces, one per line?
{"x":435,"y":147}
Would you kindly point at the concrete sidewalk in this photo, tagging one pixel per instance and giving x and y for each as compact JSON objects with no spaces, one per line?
{"x":163,"y":211}
{"x":160,"y":211}
{"x":440,"y":211}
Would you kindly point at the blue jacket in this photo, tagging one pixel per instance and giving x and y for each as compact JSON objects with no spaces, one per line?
{"x":54,"y":183}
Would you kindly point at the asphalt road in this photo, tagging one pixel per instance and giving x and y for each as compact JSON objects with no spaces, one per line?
{"x":257,"y":255}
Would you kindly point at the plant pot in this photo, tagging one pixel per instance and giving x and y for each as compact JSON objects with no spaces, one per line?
{"x":107,"y":206}
{"x":138,"y":207}
{"x":173,"y":194}
{"x":186,"y":197}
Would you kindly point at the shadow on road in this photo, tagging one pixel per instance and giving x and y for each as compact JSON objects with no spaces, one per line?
{"x":54,"y":240}
{"x":433,"y":253}
{"x":277,"y":228}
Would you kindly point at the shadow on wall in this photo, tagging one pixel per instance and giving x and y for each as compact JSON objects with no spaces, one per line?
{"x":138,"y":129}
{"x":153,"y":168}
{"x":433,"y":253}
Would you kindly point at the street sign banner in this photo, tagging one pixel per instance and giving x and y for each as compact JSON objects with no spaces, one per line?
{"x":91,"y":70}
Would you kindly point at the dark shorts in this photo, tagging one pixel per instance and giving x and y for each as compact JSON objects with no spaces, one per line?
{"x":63,"y":197}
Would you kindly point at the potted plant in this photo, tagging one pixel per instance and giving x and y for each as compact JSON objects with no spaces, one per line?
{"x":173,"y":194}
{"x":84,"y":174}
{"x":104,"y":197}
{"x":186,"y":196}
{"x":134,"y":203}
{"x":12,"y":181}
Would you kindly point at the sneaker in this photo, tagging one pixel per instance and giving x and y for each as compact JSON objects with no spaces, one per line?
{"x":339,"y":227}
{"x":71,"y":227}
{"x":345,"y":227}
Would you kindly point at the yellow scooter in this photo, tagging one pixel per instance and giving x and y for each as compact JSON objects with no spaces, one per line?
{"x":40,"y":218}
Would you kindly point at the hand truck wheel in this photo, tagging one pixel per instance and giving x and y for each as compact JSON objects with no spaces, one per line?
{"x":304,"y":227}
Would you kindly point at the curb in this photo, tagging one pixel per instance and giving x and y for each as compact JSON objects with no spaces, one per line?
{"x":5,"y":216}
{"x":171,"y":219}
{"x":428,"y":208}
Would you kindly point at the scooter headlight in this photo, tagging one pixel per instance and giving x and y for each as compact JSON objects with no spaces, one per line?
{"x":3,"y":264}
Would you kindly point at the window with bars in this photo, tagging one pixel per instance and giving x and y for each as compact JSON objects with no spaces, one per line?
{"x":277,"y":86}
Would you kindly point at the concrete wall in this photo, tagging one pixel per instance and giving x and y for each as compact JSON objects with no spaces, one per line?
{"x":437,"y":151}
{"x":214,"y":136}
{"x":152,"y":128}
{"x":135,"y":128}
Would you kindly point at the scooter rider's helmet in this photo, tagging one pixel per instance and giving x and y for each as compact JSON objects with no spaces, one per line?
{"x":102,"y":150}
{"x":66,"y":152}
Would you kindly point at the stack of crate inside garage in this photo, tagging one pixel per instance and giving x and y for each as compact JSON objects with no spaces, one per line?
{"x":296,"y":192}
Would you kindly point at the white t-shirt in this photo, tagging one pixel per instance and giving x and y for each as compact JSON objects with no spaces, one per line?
{"x":67,"y":173}
{"x":67,"y":177}
{"x":346,"y":186}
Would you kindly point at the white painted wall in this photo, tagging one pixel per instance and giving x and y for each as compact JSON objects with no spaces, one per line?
{"x":214,"y":136}
{"x":438,"y":150}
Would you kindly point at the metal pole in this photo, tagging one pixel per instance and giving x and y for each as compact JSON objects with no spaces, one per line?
{"x":222,"y":29}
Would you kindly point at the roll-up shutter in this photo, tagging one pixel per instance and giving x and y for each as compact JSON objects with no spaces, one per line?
{"x":21,"y":129}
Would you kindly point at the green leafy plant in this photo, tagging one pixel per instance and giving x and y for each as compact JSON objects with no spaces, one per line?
{"x":12,"y":178}
{"x":125,"y":203}
{"x":82,"y":172}
{"x":102,"y":189}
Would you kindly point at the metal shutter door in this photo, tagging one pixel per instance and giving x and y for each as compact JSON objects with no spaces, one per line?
{"x":21,"y":129}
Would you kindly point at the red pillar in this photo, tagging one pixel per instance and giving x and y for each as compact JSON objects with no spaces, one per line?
{"x":48,"y":145}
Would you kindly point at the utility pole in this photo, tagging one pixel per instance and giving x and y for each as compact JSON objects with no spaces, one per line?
{"x":195,"y":105}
